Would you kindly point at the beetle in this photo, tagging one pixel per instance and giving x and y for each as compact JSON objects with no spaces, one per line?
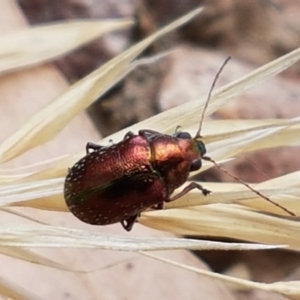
{"x":116,"y":183}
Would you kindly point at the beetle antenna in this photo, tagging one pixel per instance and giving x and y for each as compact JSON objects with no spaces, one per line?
{"x":247,"y":185}
{"x":198,"y":134}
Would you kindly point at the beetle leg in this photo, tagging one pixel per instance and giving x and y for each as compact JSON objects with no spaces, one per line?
{"x":148,"y":133}
{"x":191,"y":186}
{"x":129,"y":222}
{"x":91,"y":146}
{"x":128,"y":135}
{"x":177,"y":130}
{"x":158,"y":206}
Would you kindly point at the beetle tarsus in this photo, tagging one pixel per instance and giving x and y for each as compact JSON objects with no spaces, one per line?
{"x":158,"y":206}
{"x":128,"y":135}
{"x":91,"y":146}
{"x":129,"y":222}
{"x":191,"y":186}
{"x":206,"y":192}
{"x":148,"y":133}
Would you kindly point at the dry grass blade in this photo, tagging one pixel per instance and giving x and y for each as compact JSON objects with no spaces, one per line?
{"x":20,"y":173}
{"x":284,"y":194}
{"x":29,"y":256}
{"x":189,"y":113}
{"x":50,"y":203}
{"x":186,"y":115}
{"x":229,"y":142}
{"x":54,"y":117}
{"x":291,"y":289}
{"x":15,"y":292}
{"x":268,"y":134}
{"x":39,"y":44}
{"x":221,"y":220}
{"x":285,"y":190}
{"x":36,"y":189}
{"x":46,"y":194}
{"x":215,"y":131}
{"x":53,"y":236}
{"x":223,"y":129}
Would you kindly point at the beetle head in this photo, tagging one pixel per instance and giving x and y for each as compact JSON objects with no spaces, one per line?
{"x":198,"y":147}
{"x":187,"y":136}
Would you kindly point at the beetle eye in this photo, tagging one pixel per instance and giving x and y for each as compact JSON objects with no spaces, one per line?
{"x":201,"y":147}
{"x":183,"y":135}
{"x":196,"y":165}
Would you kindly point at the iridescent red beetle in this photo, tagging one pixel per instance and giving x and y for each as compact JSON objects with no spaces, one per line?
{"x":116,"y":183}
